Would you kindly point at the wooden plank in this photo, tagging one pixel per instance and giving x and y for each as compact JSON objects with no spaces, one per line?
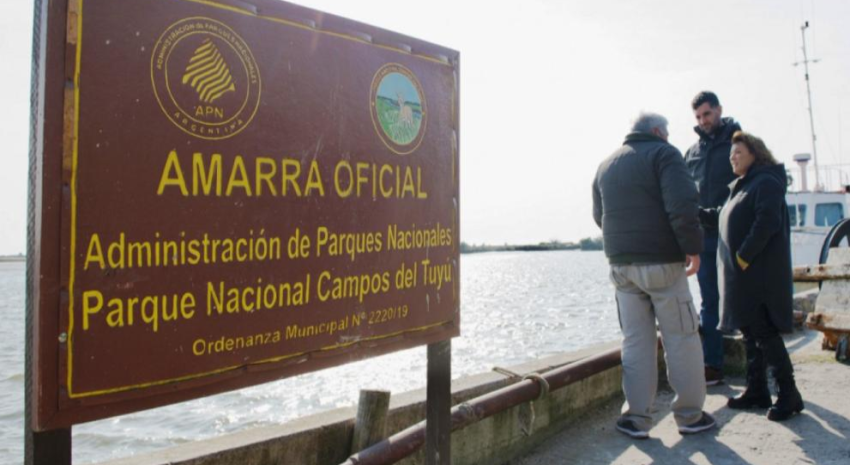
{"x":829,"y":322}
{"x":370,"y":425}
{"x":821,"y":273}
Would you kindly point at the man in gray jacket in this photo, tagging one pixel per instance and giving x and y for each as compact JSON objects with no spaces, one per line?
{"x":645,"y":201}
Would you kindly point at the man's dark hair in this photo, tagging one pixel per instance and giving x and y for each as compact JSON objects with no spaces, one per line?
{"x":705,"y":96}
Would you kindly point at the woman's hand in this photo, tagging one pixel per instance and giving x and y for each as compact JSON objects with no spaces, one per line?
{"x":744,"y":265}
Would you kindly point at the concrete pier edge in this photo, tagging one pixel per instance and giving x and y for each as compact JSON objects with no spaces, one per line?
{"x":324,"y":438}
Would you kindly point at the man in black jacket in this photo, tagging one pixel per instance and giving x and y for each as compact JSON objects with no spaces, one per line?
{"x":708,"y":161}
{"x":645,"y":201}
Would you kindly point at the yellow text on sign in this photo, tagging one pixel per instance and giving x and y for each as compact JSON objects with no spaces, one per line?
{"x":285,"y":177}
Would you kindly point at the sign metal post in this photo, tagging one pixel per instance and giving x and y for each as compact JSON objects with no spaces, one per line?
{"x":439,"y":404}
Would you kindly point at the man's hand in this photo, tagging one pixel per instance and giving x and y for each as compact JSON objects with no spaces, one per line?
{"x":691,"y":264}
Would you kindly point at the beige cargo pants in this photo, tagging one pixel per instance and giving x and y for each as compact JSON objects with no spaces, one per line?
{"x":654,"y":296}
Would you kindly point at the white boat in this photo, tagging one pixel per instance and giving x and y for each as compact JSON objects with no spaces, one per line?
{"x":817,"y":217}
{"x":813,"y":215}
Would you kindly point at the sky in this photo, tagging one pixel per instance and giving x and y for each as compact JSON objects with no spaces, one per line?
{"x":549,"y":89}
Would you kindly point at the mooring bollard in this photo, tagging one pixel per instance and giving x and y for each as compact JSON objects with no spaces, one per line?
{"x":370,"y":426}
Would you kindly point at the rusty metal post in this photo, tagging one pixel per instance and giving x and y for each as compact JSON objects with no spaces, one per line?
{"x":439,"y":404}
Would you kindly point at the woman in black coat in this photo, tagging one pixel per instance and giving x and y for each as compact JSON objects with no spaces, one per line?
{"x":754,"y":257}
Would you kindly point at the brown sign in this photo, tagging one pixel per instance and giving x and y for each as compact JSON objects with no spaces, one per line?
{"x":253,"y":191}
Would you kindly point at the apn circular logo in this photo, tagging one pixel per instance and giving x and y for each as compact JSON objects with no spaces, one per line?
{"x":205,"y":78}
{"x":399,"y":113}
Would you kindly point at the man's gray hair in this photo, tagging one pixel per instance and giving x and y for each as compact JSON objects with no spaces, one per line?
{"x":646,"y":122}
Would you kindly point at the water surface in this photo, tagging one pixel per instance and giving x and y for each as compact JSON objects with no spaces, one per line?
{"x":515,"y":307}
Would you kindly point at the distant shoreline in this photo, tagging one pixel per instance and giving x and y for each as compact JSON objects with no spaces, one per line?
{"x":584,"y":245}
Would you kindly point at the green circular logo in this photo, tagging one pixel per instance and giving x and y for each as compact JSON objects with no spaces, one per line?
{"x":398,"y":108}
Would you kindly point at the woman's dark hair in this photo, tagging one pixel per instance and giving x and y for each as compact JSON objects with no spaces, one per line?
{"x":756,"y":147}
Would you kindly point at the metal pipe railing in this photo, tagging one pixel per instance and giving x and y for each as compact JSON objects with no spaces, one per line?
{"x":408,"y":441}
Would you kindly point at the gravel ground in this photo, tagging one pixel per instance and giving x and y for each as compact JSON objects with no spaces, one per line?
{"x":820,"y":435}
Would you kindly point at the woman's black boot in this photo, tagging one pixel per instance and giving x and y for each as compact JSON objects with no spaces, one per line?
{"x":789,"y":402}
{"x":757,"y":394}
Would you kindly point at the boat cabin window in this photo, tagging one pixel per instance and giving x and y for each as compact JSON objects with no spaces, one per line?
{"x":793,"y":217}
{"x":827,"y":214}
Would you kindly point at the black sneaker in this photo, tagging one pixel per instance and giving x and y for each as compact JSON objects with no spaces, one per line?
{"x":706,"y":422}
{"x":630,"y":429}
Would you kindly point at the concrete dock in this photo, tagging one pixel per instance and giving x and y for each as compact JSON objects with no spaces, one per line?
{"x":572,"y":425}
{"x":820,"y":435}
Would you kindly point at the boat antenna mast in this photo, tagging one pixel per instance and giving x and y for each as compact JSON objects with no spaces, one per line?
{"x":805,"y":62}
